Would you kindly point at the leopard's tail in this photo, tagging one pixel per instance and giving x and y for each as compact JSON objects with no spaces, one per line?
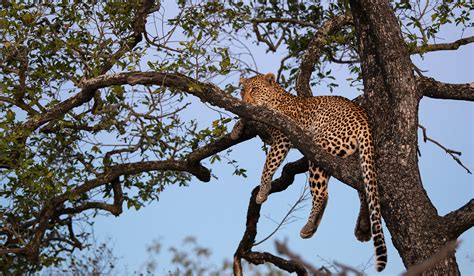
{"x":367,"y":157}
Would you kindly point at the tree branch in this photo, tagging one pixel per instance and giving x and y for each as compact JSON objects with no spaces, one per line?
{"x":347,"y":170}
{"x":283,"y":249}
{"x":432,"y":88}
{"x":313,"y":53}
{"x":244,"y":250}
{"x":52,"y":209}
{"x":272,"y":46}
{"x":442,"y":46}
{"x":115,"y":208}
{"x":287,"y":265}
{"x":460,"y":220}
{"x":87,"y":94}
{"x":451,"y":152}
{"x":19,"y":103}
{"x":285,"y":20}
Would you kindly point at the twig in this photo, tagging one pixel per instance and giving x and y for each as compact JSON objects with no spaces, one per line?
{"x":301,"y":198}
{"x":285,"y":20}
{"x":346,"y":268}
{"x":451,"y":152}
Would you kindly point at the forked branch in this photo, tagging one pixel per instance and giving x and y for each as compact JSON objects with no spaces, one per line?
{"x":313,"y":53}
{"x":460,"y":220}
{"x":244,"y":250}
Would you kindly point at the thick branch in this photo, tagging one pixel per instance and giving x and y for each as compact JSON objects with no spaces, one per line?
{"x":190,"y":164}
{"x":115,"y":208}
{"x":442,"y":46}
{"x":287,"y":265}
{"x":115,"y":171}
{"x":312,"y":54}
{"x":346,"y":170}
{"x":432,"y":88}
{"x":431,"y":262}
{"x":459,"y":220}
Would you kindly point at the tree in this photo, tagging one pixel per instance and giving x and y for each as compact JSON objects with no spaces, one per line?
{"x":76,"y":78}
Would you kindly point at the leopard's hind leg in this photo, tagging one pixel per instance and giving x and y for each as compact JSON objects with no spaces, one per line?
{"x":318,"y":183}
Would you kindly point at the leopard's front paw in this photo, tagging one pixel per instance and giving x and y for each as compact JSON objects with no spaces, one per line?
{"x":261,"y":198}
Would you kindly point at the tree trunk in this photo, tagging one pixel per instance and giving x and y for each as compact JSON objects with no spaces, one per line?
{"x":392,"y":100}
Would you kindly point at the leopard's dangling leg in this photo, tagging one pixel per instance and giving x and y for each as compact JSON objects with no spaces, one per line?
{"x":362,"y":229}
{"x":278,"y":151}
{"x":318,"y":183}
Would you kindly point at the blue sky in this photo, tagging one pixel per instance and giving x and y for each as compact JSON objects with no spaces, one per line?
{"x":215,"y":212}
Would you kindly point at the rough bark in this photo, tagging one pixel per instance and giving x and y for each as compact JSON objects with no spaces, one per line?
{"x":392,"y":99}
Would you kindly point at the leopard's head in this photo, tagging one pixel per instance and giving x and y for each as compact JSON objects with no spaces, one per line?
{"x":258,"y":89}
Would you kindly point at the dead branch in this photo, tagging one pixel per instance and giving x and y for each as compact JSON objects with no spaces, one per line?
{"x":301,"y":198}
{"x":442,"y":46}
{"x":313,"y":53}
{"x":451,"y":152}
{"x":431,"y":262}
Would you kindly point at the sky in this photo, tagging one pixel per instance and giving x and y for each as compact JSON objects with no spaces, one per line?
{"x":215,"y":212}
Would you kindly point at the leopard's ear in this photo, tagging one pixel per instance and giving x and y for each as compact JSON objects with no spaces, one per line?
{"x":242,"y":80}
{"x":270,"y":77}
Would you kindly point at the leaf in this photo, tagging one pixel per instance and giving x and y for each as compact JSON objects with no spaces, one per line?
{"x":10,"y":116}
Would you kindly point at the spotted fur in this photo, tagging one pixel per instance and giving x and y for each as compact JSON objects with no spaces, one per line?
{"x":341,"y":128}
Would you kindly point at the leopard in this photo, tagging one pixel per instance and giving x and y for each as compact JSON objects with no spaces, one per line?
{"x":339,"y":126}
